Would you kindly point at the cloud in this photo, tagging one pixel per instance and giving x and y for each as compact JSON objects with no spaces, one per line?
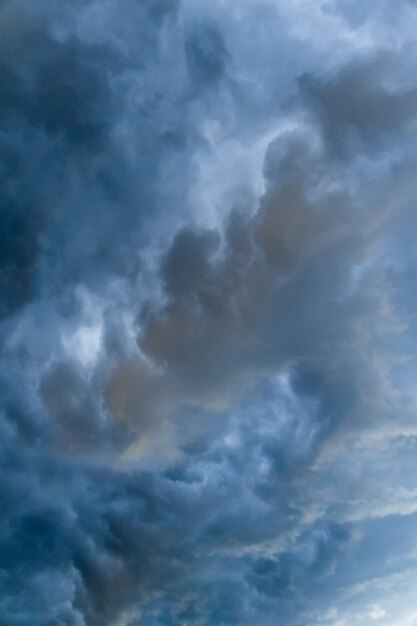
{"x":360,"y":105}
{"x":207,"y":313}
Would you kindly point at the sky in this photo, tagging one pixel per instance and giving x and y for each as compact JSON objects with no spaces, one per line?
{"x":208,"y":313}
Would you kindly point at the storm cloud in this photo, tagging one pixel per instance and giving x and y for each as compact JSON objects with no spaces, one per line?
{"x":207,"y":313}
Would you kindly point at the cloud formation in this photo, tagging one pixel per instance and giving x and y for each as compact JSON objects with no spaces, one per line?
{"x":207,"y":313}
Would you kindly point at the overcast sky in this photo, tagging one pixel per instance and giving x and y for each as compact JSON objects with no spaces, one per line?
{"x":208,"y":312}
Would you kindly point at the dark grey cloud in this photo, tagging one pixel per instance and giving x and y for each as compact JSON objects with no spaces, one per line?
{"x":53,"y":112}
{"x":65,"y":169}
{"x":235,"y":302}
{"x":362,"y":105}
{"x":206,"y":55}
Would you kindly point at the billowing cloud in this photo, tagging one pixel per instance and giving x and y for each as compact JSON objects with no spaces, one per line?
{"x":207,"y":313}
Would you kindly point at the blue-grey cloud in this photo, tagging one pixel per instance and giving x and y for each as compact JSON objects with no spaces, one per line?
{"x":207,"y":315}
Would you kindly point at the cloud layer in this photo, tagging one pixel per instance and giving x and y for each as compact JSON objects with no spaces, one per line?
{"x":207,"y":313}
